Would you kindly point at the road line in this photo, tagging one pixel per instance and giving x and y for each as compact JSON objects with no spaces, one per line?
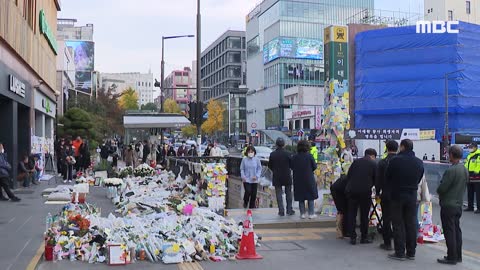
{"x":19,"y":253}
{"x":19,"y":228}
{"x":34,"y":262}
{"x":11,"y":220}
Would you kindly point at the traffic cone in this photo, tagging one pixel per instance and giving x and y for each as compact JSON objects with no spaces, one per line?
{"x":247,"y":244}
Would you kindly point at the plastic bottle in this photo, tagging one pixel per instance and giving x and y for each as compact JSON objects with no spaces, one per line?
{"x":48,"y":222}
{"x":212,"y":249}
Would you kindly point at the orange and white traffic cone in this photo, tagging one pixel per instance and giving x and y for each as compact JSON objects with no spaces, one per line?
{"x":247,"y":244}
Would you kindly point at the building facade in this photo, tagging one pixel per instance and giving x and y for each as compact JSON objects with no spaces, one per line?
{"x":307,"y":116}
{"x":28,"y":50}
{"x":453,"y":10}
{"x":142,"y":83}
{"x":67,"y":30}
{"x":222,"y":64}
{"x":178,"y":86}
{"x":285,"y":49}
{"x":65,"y":77}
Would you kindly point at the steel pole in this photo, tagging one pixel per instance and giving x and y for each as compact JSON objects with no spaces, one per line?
{"x":199,"y":83}
{"x":162,"y":78}
{"x":446,"y":111}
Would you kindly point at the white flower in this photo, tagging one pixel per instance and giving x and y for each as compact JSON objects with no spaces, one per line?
{"x":113,"y":182}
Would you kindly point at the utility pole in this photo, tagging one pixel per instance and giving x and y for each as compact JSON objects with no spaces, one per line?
{"x":199,"y":83}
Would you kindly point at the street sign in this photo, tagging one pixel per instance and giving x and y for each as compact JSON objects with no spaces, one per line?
{"x":300,"y":133}
{"x":254,"y":125}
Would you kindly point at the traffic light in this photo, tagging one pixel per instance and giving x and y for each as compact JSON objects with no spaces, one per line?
{"x":284,"y":106}
{"x":192,"y":112}
{"x":201,"y":111}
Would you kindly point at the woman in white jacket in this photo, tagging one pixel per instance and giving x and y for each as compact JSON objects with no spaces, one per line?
{"x":423,"y":196}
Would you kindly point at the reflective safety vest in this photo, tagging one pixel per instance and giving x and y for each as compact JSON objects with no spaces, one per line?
{"x":314,"y":152}
{"x":385,"y":152}
{"x":473,"y":162}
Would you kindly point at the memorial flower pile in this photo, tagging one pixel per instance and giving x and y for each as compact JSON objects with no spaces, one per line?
{"x":113,"y":182}
{"x":143,"y":170}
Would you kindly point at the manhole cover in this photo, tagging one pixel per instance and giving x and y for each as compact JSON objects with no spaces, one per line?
{"x":283,"y":246}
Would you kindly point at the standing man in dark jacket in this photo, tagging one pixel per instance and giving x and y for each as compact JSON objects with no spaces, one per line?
{"x":450,"y":192}
{"x":361,"y":178}
{"x":337,"y":189}
{"x":5,"y":169}
{"x":383,"y":191}
{"x":279,"y":163}
{"x":403,"y":175}
{"x":146,"y":151}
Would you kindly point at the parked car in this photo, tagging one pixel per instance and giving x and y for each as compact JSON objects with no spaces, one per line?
{"x":263,"y":152}
{"x":224,"y":150}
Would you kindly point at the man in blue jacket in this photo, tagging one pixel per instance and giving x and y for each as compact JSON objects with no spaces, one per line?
{"x":5,"y":169}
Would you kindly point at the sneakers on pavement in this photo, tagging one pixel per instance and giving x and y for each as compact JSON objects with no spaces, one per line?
{"x":366,"y":241}
{"x":312,"y":216}
{"x":3,"y":199}
{"x":69,"y":181}
{"x":394,"y":256}
{"x":291,"y":213}
{"x":282,"y":214}
{"x":15,"y":199}
{"x":468,"y":209}
{"x":303,"y":216}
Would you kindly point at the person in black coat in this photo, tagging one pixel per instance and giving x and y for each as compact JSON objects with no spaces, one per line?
{"x":383,"y":190}
{"x":304,"y":184}
{"x":361,"y":178}
{"x":404,"y":173}
{"x":146,"y":151}
{"x":282,"y":177}
{"x":337,"y":189}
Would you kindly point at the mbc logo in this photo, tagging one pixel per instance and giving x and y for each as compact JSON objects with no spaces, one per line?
{"x":436,"y":27}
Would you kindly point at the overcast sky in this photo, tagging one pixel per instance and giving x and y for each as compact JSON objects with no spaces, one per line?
{"x":127,"y":33}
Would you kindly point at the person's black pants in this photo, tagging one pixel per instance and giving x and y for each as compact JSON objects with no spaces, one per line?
{"x":250,"y":196}
{"x":473,"y":188}
{"x":387,"y":222}
{"x":450,"y":217}
{"x":68,"y":172}
{"x":355,"y":201}
{"x":404,"y":226}
{"x":5,"y":185}
{"x":341,"y":203}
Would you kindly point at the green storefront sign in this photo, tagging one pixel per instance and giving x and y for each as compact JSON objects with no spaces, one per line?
{"x":47,"y":32}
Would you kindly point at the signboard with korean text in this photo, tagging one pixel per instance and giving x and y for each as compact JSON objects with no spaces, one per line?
{"x":414,"y":134}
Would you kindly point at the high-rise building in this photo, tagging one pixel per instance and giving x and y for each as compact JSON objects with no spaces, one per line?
{"x":65,"y":77}
{"x":223,"y":77}
{"x":178,"y":86}
{"x":68,"y":31}
{"x":285,"y":49}
{"x":142,"y":83}
{"x":222,"y":63}
{"x":453,"y":10}
{"x":79,"y":39}
{"x":28,"y":78}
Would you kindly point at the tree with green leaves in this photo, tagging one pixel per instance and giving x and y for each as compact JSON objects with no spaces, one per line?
{"x":189,"y":131}
{"x":77,"y":122}
{"x":149,"y":107}
{"x":129,"y":99}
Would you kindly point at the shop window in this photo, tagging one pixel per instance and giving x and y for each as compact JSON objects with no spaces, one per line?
{"x":297,"y":124}
{"x":468,"y":7}
{"x":306,"y":123}
{"x":450,"y":15}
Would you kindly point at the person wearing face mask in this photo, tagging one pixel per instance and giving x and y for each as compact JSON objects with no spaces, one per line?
{"x":472,"y":163}
{"x":216,"y":151}
{"x":250,"y":171}
{"x":182,"y":150}
{"x":5,"y":169}
{"x":193,"y":151}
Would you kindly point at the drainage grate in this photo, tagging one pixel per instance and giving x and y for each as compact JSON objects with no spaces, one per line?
{"x":281,"y":246}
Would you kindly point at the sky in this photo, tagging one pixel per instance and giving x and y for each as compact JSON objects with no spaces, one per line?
{"x":128,"y":33}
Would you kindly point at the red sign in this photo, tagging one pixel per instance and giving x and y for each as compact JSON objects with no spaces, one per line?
{"x":301,"y":113}
{"x":254,"y":125}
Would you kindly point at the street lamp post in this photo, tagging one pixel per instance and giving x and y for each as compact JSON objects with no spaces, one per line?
{"x":446,"y":132}
{"x":162,"y":74}
{"x":199,"y":66}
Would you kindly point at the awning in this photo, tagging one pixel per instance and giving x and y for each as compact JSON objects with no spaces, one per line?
{"x":155,"y":121}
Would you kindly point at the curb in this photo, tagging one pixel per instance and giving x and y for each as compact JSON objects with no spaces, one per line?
{"x":297,"y":225}
{"x":37,"y":258}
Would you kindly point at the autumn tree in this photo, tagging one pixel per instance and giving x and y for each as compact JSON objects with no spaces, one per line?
{"x":189,"y":131}
{"x":129,"y":99}
{"x":149,"y":107}
{"x":171,"y":106}
{"x":214,"y":122}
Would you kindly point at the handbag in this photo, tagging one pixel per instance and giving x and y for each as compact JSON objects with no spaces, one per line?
{"x":21,"y":176}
